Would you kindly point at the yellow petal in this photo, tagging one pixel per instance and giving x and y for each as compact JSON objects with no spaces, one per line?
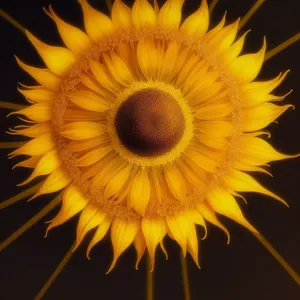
{"x":59,"y":60}
{"x":56,"y":181}
{"x":123,"y":233}
{"x":140,"y":192}
{"x":196,"y":24}
{"x":43,"y":76}
{"x":261,"y":116}
{"x":155,"y":183}
{"x":208,"y":214}
{"x":215,"y":129}
{"x":34,"y":130}
{"x":90,"y":82}
{"x":86,"y":216}
{"x":192,"y":173}
{"x":40,"y":112}
{"x":201,"y":160}
{"x":162,"y":247}
{"x":121,"y":15}
{"x":211,"y":33}
{"x":192,"y":244}
{"x":38,"y":146}
{"x":242,"y":182}
{"x":117,"y":182}
{"x":143,"y":14}
{"x":198,"y":77}
{"x":88,"y":100}
{"x":258,"y":92}
{"x":103,"y":77}
{"x":97,"y":24}
{"x":89,"y":222}
{"x":224,"y":38}
{"x":256,"y":151}
{"x":147,"y":57}
{"x":206,"y":93}
{"x":224,"y":203}
{"x":118,"y":69}
{"x":82,"y":145}
{"x":140,"y":247}
{"x":38,"y":95}
{"x":100,"y":168}
{"x":217,"y":143}
{"x":99,"y":234}
{"x":72,"y":203}
{"x":28,"y":163}
{"x":128,"y":53}
{"x":175,"y":181}
{"x":169,"y":60}
{"x":82,"y":130}
{"x":78,"y":115}
{"x":46,"y":165}
{"x":183,"y":55}
{"x":166,"y":195}
{"x":76,"y":40}
{"x":108,"y":169}
{"x":187,"y":69}
{"x":235,"y":49}
{"x":179,"y":226}
{"x":246,"y":67}
{"x":214,"y":112}
{"x":93,"y":156}
{"x":169,"y":16}
{"x":154,"y":230}
{"x":246,"y":167}
{"x":196,"y":217}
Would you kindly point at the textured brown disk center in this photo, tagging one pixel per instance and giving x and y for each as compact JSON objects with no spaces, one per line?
{"x":149,"y":122}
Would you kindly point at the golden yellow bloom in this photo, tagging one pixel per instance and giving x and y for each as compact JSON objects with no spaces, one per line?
{"x":148,"y":124}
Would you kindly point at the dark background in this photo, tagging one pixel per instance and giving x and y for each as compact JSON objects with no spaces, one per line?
{"x":242,"y":270}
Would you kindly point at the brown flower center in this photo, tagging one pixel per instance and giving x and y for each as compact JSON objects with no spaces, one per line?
{"x":149,"y":122}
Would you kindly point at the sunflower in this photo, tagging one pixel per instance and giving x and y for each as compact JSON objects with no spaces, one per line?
{"x":148,"y":125}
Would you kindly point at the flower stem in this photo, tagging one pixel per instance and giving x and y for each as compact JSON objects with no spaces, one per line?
{"x":31,"y":222}
{"x":278,"y":257}
{"x":282,"y":46}
{"x":109,"y":5}
{"x":10,"y":145}
{"x":185,"y":277}
{"x":250,"y":13}
{"x":150,"y":285}
{"x":11,"y":20}
{"x":57,"y":271}
{"x":11,"y":106}
{"x":20,"y":196}
{"x":212,"y":5}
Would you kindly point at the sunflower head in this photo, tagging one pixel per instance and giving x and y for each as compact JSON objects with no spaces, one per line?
{"x":148,"y":123}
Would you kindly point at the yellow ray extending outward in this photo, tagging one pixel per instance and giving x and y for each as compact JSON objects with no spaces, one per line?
{"x":11,"y":145}
{"x":282,"y":46}
{"x":150,"y":285}
{"x":250,"y":13}
{"x":278,"y":257}
{"x":11,"y":20}
{"x":31,"y":222}
{"x":11,"y":106}
{"x":212,"y":5}
{"x":57,"y":271}
{"x":20,"y":196}
{"x":185,"y":278}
